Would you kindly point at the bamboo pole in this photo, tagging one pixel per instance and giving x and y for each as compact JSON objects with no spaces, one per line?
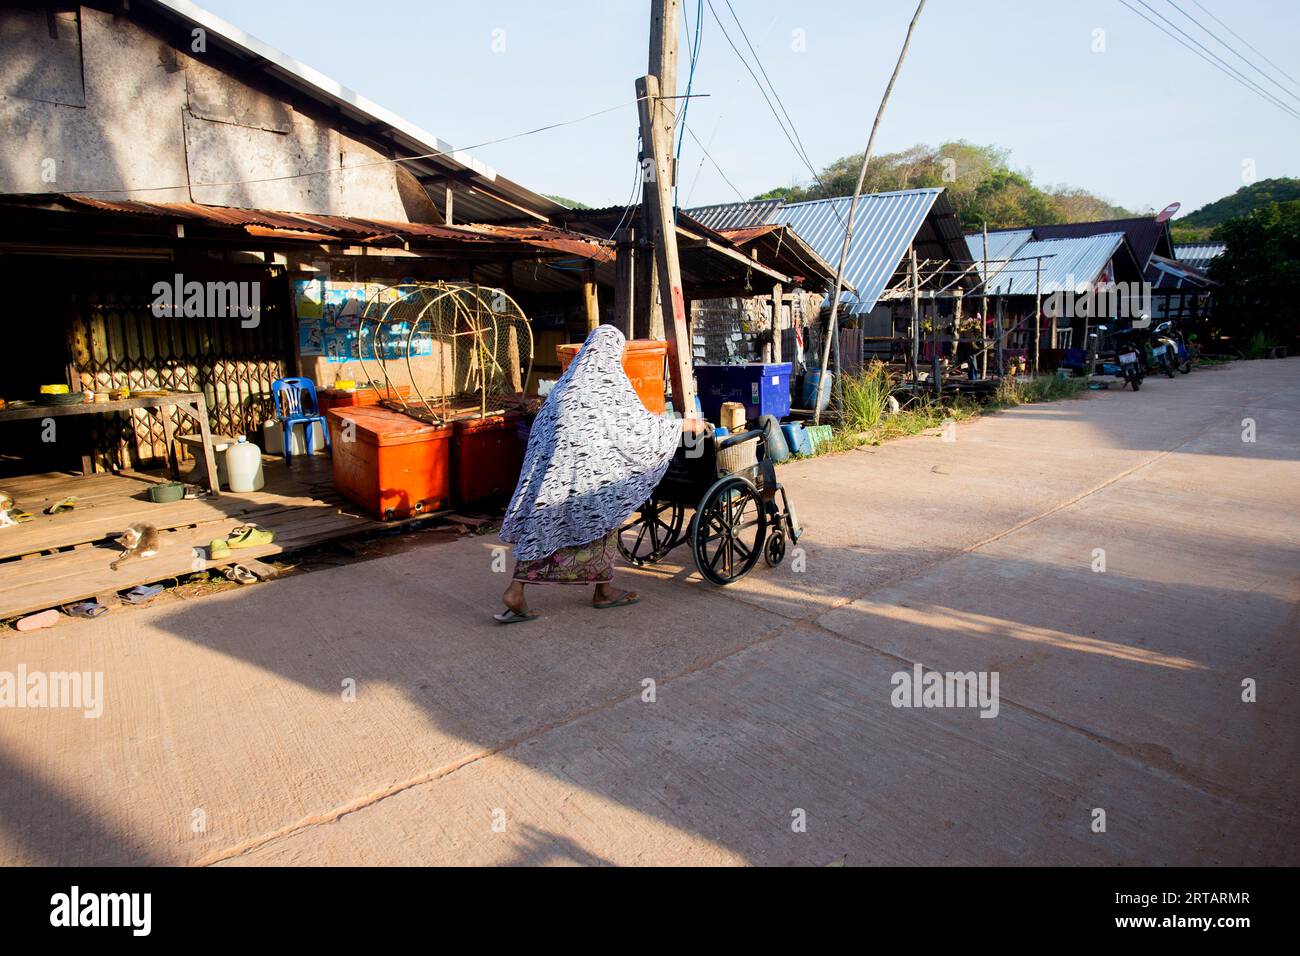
{"x":853,"y":206}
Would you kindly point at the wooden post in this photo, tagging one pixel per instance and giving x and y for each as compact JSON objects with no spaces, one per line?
{"x":984,"y":307}
{"x":448,"y":201}
{"x":778,"y":294}
{"x":665,"y":15}
{"x":590,"y":302}
{"x":916,"y":323}
{"x":1038,"y":310}
{"x":663,"y":236}
{"x":625,"y":281}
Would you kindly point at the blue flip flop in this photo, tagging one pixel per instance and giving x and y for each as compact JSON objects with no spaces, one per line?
{"x":87,"y":609}
{"x":141,"y":593}
{"x":511,"y":616}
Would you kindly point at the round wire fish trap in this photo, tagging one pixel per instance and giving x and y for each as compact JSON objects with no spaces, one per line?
{"x":467,"y":350}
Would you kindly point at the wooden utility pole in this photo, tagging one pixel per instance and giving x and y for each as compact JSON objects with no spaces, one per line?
{"x":663,"y":236}
{"x":665,"y":15}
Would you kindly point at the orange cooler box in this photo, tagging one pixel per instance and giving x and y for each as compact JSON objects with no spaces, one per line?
{"x":394,"y":466}
{"x":487,"y":455}
{"x":643,"y":360}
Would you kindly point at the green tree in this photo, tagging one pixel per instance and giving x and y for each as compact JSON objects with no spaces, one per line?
{"x":979,"y":180}
{"x":1259,"y":274}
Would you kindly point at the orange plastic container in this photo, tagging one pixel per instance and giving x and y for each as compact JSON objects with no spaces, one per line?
{"x":486,"y":456}
{"x":390,"y":464}
{"x":643,"y":360}
{"x":328,"y":398}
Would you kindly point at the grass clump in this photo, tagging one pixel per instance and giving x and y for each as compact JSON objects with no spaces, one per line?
{"x":866,"y":416}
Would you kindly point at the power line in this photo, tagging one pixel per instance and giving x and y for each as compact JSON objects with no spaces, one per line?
{"x":1211,"y":58}
{"x":803,"y":152}
{"x":1248,"y":44}
{"x":379,"y":162}
{"x":739,"y":194}
{"x":767,"y":99}
{"x":1233,"y":50}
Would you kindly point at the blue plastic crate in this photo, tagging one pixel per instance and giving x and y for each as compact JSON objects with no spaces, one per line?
{"x":763,"y":388}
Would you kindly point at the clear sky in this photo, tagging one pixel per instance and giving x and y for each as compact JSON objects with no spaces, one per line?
{"x":1141,"y":121}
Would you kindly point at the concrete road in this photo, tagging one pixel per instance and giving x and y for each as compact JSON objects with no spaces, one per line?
{"x":1125,"y":565}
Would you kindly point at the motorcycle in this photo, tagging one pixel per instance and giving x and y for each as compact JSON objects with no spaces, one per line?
{"x":1158,"y":353}
{"x":1172,"y":336}
{"x":1120,"y":357}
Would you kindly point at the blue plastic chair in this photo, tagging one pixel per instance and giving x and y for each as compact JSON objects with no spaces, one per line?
{"x":295,"y":403}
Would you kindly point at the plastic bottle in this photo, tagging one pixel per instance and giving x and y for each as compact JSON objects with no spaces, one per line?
{"x":244,"y":466}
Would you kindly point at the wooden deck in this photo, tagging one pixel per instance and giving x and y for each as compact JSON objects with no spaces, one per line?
{"x":54,"y":560}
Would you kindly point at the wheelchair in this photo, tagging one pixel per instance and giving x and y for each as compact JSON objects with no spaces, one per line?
{"x":739,"y":511}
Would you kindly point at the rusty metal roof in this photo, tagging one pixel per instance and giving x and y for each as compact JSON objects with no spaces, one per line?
{"x":352,"y":229}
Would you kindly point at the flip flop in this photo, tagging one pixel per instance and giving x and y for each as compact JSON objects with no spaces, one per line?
{"x":20,"y":516}
{"x":239,"y":574}
{"x":631,"y":597}
{"x":87,"y":609}
{"x":34,"y":622}
{"x":141,"y":593}
{"x":67,"y":504}
{"x":511,"y":616}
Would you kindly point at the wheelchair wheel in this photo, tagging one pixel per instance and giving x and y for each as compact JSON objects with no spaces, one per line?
{"x":774,"y":550}
{"x":653,"y":531}
{"x":728,"y":530}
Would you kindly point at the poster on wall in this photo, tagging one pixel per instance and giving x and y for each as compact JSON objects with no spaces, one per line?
{"x":329,"y":322}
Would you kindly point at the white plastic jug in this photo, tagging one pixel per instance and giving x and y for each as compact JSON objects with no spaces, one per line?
{"x":244,"y":466}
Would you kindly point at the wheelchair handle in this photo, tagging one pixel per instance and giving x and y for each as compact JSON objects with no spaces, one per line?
{"x":737,"y":439}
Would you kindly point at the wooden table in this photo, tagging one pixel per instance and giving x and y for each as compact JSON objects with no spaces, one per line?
{"x":192,"y":404}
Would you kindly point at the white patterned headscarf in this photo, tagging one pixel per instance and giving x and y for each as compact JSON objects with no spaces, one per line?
{"x":594,"y":456}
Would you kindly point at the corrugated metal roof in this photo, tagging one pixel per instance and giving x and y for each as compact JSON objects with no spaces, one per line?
{"x":1002,"y":245}
{"x":1146,"y":237}
{"x":1198,"y":255}
{"x":1175,"y":274}
{"x":883,"y":227}
{"x":1074,"y":265}
{"x":291,"y":225}
{"x":735,"y":215}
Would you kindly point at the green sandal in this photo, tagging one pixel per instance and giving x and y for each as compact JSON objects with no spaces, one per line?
{"x":249,"y":537}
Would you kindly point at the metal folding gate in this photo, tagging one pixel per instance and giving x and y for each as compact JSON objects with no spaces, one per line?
{"x":115,"y":340}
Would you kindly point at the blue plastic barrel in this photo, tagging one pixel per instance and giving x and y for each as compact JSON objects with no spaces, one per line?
{"x":812,"y":378}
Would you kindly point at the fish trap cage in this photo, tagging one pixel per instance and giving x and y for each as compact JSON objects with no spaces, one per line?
{"x":467,"y":349}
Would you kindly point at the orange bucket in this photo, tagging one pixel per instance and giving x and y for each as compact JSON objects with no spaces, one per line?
{"x":643,"y":361}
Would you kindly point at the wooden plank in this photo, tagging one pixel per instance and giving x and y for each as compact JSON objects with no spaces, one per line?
{"x":78,"y":575}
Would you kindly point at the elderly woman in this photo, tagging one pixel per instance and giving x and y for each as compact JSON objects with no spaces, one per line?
{"x":594,"y":456}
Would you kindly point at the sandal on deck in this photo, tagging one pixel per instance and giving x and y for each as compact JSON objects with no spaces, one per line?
{"x":67,"y":504}
{"x":628,"y":598}
{"x":511,"y":616}
{"x":248,"y":536}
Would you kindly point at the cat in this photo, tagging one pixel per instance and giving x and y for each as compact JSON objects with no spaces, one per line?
{"x":6,"y":505}
{"x":138,"y":541}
